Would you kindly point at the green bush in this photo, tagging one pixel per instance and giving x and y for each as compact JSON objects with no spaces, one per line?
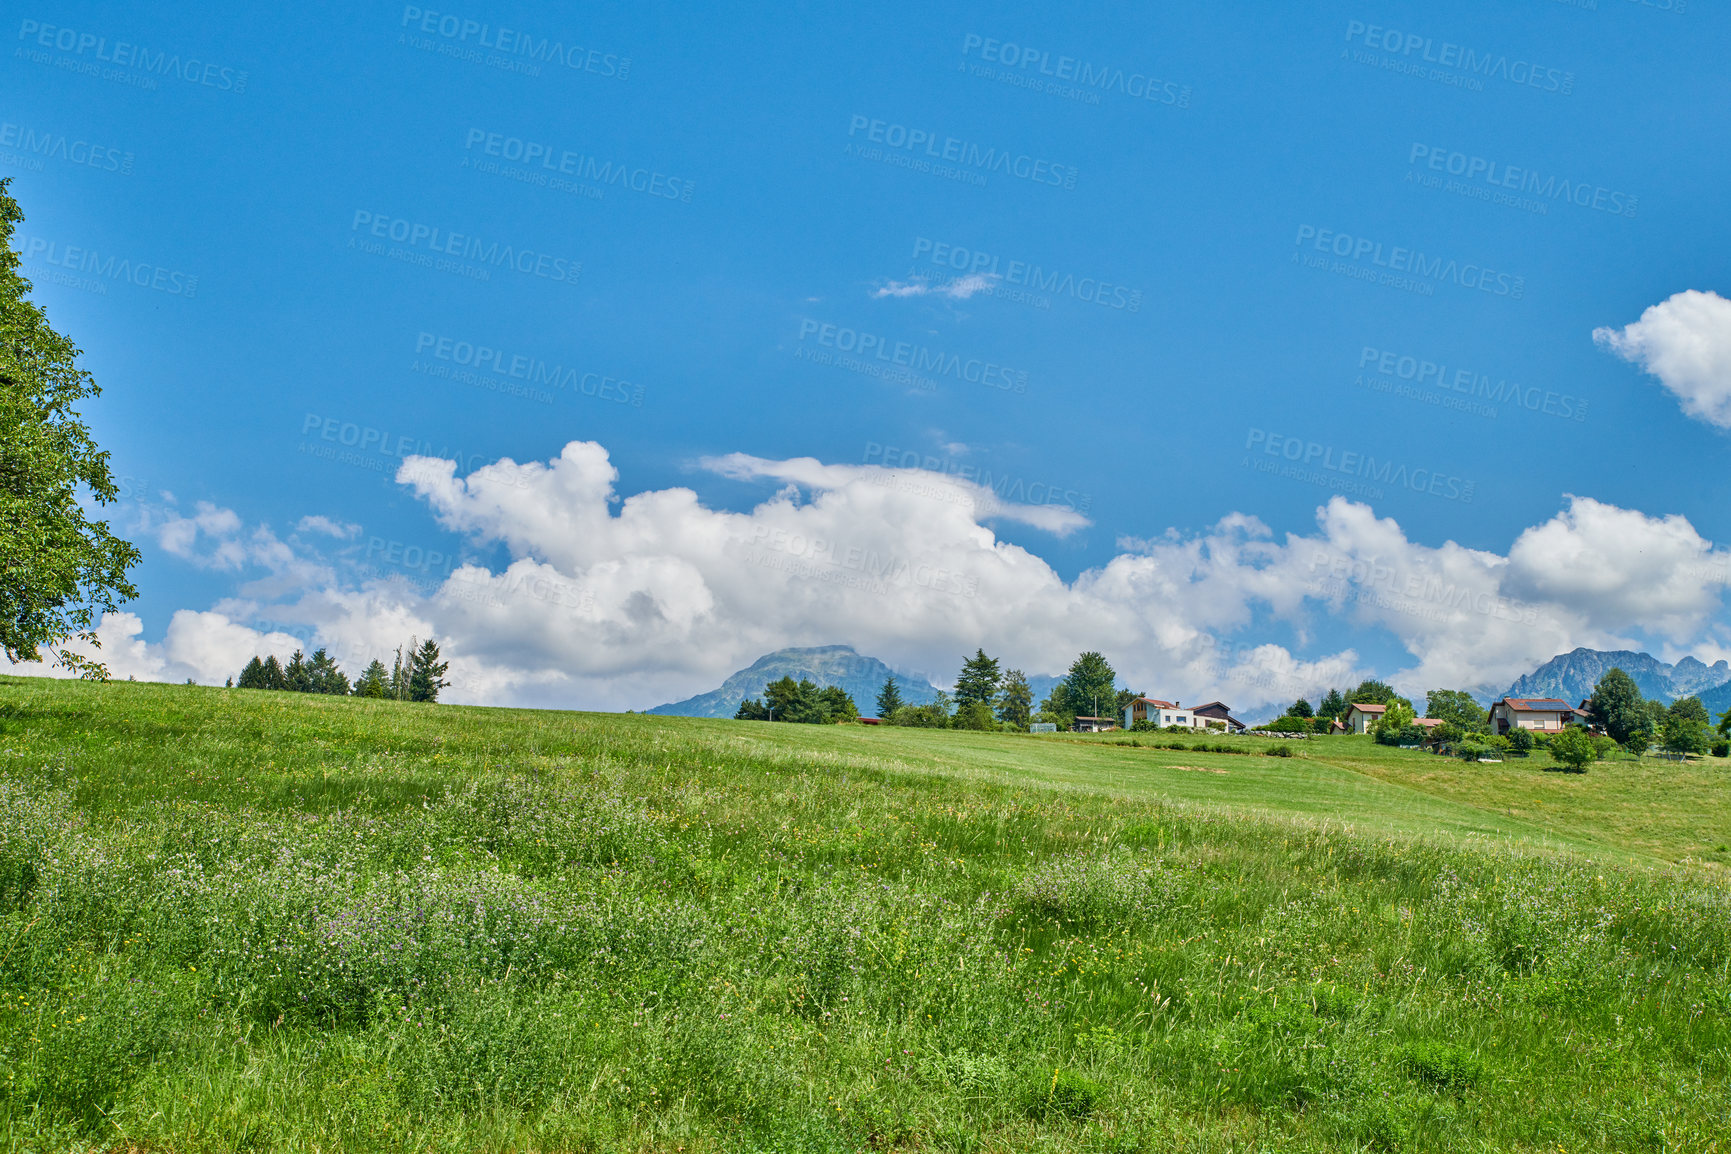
{"x":1722,"y":749}
{"x":1520,"y":740}
{"x":1277,"y":751}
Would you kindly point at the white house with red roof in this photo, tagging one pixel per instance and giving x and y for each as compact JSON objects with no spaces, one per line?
{"x":1361,"y":715}
{"x":1546,"y":714}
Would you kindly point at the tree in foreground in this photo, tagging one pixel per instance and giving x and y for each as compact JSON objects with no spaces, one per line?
{"x":889,"y":699}
{"x":1300,"y":708}
{"x":1015,"y":700}
{"x":59,"y":570}
{"x":1574,"y":748}
{"x":751,"y":709}
{"x":427,"y":672}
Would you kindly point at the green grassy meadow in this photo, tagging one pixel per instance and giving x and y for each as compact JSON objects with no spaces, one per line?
{"x":236,"y":920}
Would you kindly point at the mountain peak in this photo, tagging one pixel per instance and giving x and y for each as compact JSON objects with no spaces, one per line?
{"x":841,"y":665}
{"x":1572,"y":676}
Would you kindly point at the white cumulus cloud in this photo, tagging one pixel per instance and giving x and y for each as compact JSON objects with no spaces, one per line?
{"x":1685,"y":341}
{"x":610,"y":600}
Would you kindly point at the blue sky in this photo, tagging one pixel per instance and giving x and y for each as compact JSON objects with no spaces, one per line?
{"x":1279,"y":201}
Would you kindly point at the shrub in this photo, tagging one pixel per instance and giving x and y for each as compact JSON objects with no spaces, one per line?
{"x":1277,"y":751}
{"x":1520,"y":740}
{"x":1064,"y":1094}
{"x":1722,"y":749}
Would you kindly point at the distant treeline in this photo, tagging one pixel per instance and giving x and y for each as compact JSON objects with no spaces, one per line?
{"x":416,"y":676}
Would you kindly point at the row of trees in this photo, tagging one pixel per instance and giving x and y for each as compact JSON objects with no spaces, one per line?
{"x":416,"y":676}
{"x":799,"y":702}
{"x":985,"y":698}
{"x":1636,"y":722}
{"x":988,"y":698}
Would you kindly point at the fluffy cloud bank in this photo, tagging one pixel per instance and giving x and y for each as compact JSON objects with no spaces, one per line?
{"x":607,"y":603}
{"x":1685,"y":341}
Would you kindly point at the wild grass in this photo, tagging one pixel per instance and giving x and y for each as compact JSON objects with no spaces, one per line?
{"x":249,"y":921}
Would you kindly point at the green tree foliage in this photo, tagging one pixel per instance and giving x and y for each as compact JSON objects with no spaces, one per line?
{"x":59,"y":570}
{"x":838,"y":706}
{"x":1090,"y":686}
{"x":1689,"y":707}
{"x":1618,"y":708}
{"x":1683,"y":732}
{"x":978,"y":681}
{"x":401,"y":670}
{"x":1288,"y":724}
{"x":751,"y":709}
{"x":1015,"y":700}
{"x":1300,"y":708}
{"x":1333,"y":705}
{"x":271,"y":676}
{"x":296,"y":678}
{"x":1457,"y":706}
{"x":1322,"y":723}
{"x":974,"y":715}
{"x":797,"y":702}
{"x":427,"y":672}
{"x":323,"y":675}
{"x":1391,"y":728}
{"x":1575,"y":748}
{"x":251,"y":677}
{"x":1724,"y":726}
{"x":374,"y":681}
{"x":889,"y":699}
{"x":1056,"y":708}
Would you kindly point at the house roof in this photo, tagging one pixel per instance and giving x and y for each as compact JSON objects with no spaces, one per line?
{"x":1155,"y":701}
{"x":1209,"y":705}
{"x":1367,"y":707}
{"x":1427,"y":722}
{"x":1535,"y":704}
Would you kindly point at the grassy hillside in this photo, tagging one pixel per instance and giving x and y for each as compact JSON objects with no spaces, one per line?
{"x":235,"y":920}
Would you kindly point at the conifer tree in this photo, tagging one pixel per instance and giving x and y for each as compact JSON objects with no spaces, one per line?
{"x":889,"y":699}
{"x":978,"y":680}
{"x":374,"y":682}
{"x":252,"y":677}
{"x":272,"y":674}
{"x":427,"y":672}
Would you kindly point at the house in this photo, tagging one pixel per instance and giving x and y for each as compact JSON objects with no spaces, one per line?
{"x":1093,"y":725}
{"x":1161,"y":713}
{"x":1545,"y":714}
{"x":1217,"y":712}
{"x":1427,"y":723}
{"x":1361,"y":715}
{"x":1584,"y":715}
